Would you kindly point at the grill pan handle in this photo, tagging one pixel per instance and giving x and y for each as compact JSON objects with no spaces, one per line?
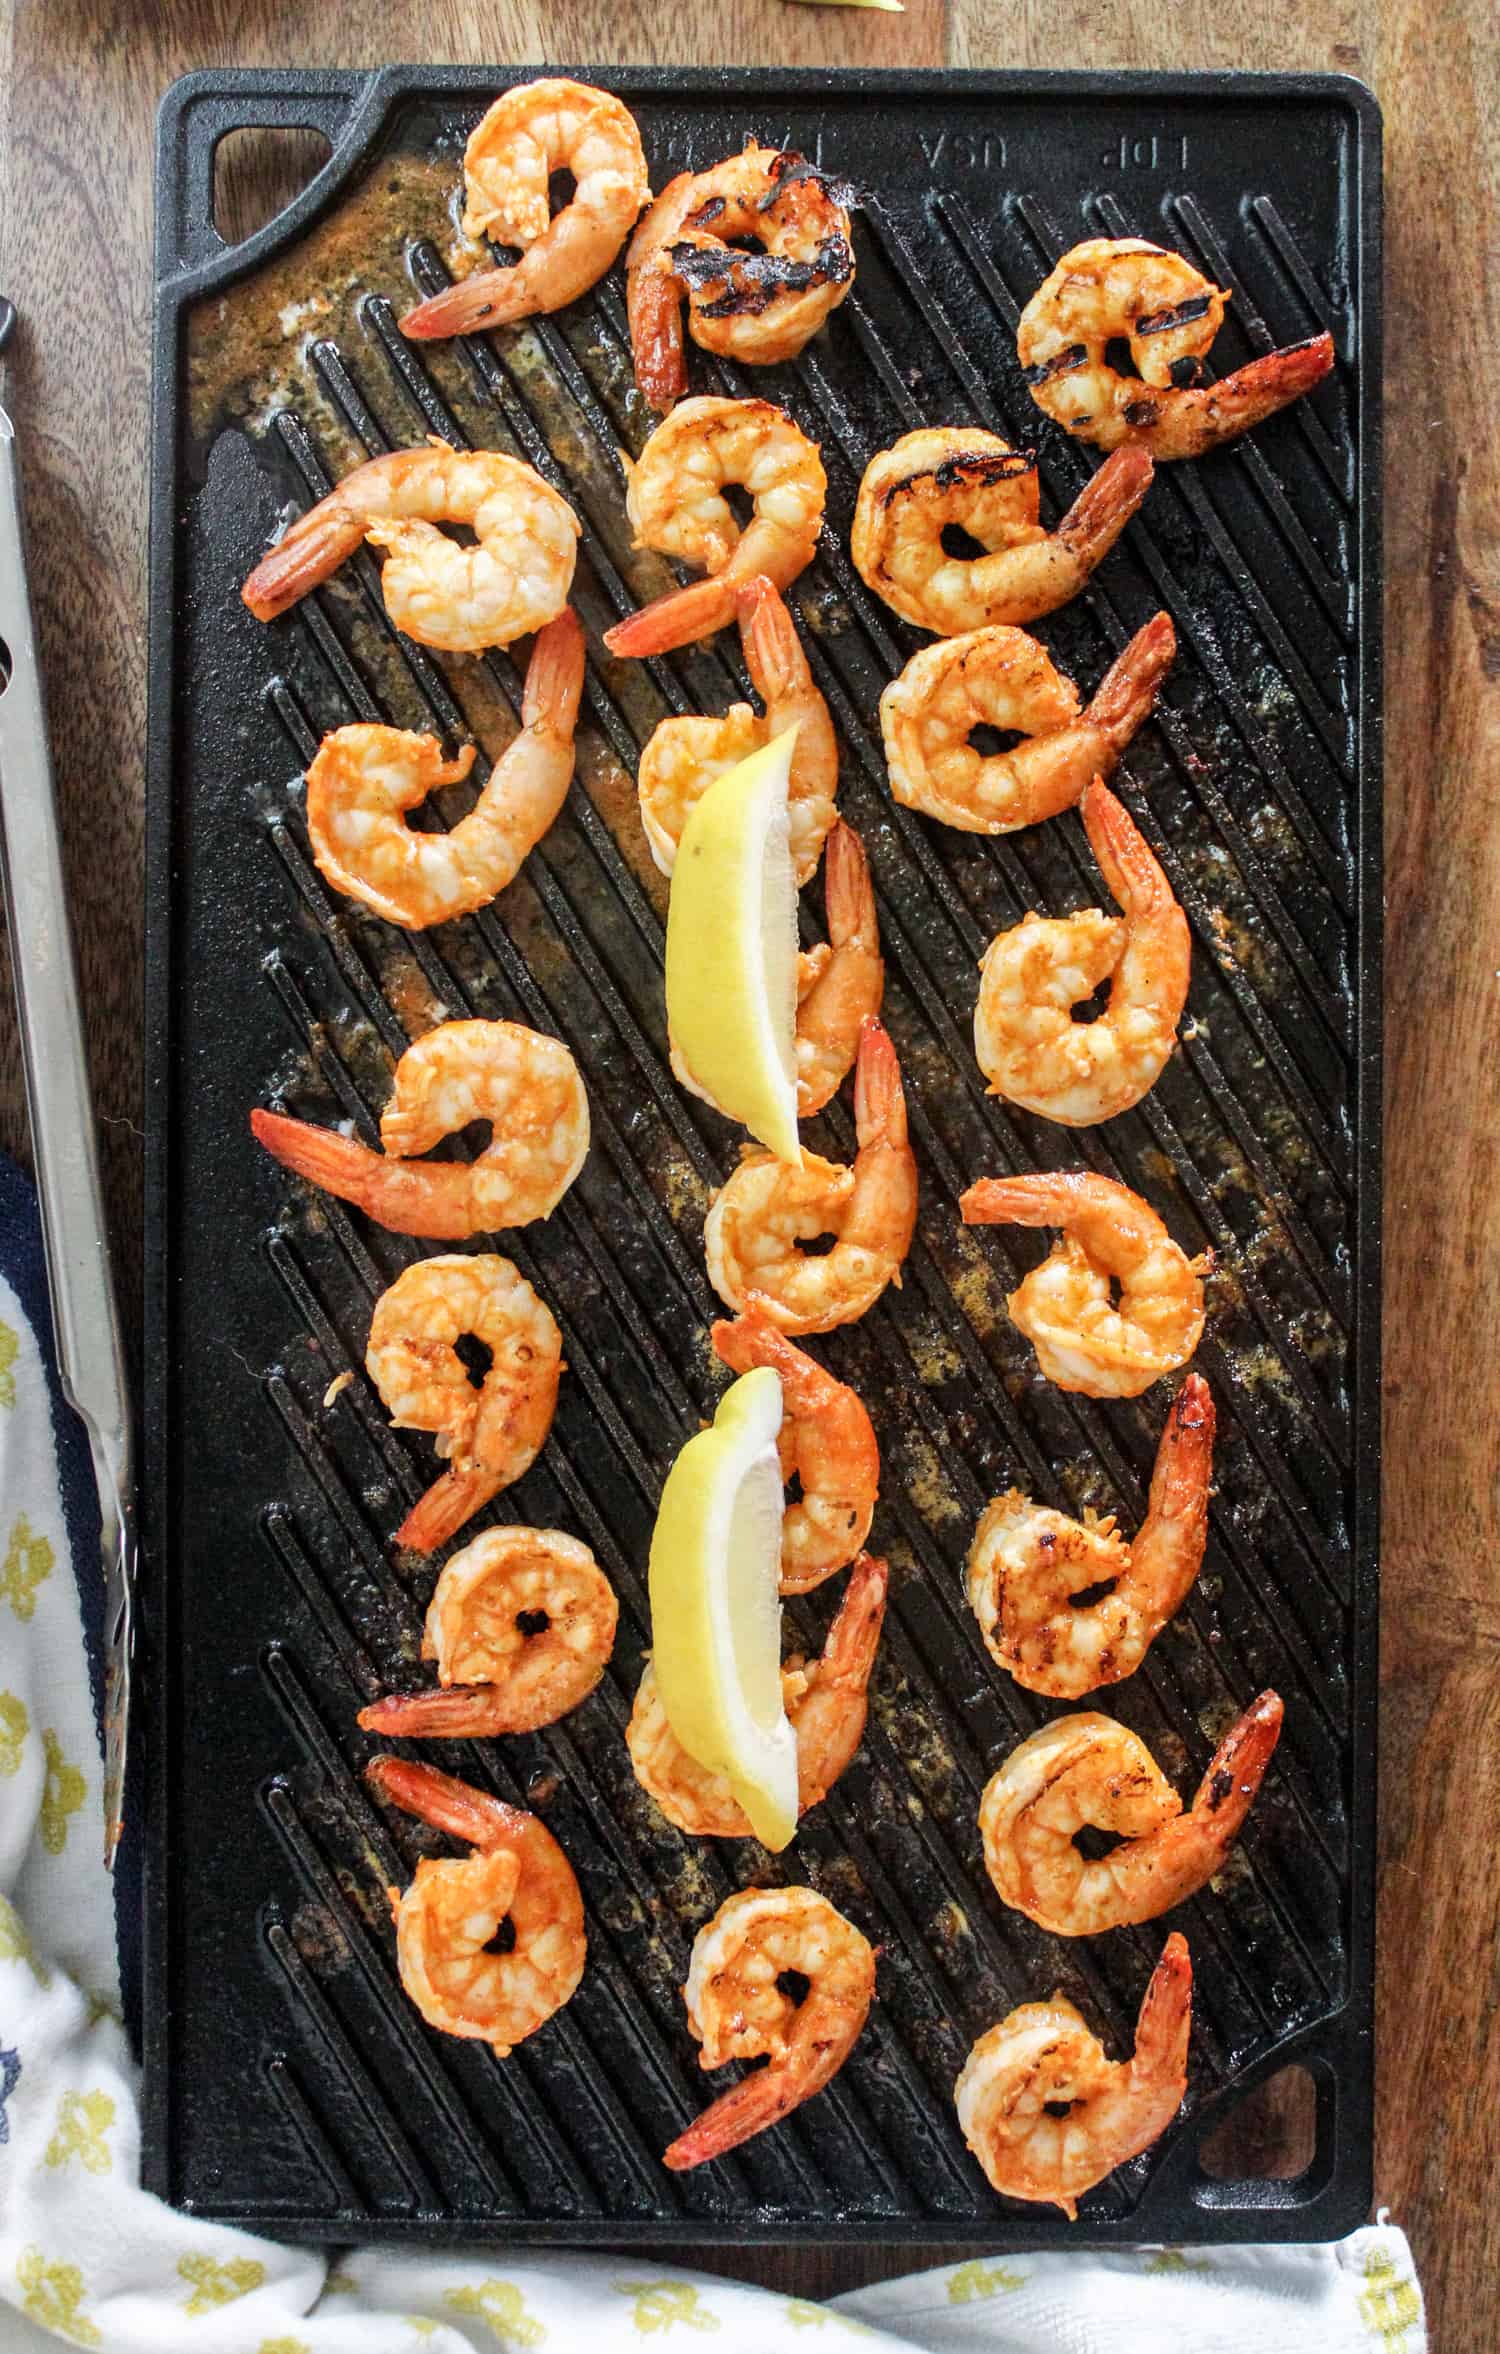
{"x":202,"y":109}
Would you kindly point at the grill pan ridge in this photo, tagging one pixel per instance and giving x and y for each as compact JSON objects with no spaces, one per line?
{"x":290,"y":2086}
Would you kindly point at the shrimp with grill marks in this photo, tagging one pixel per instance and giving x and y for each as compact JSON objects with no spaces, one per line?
{"x":1085,"y":1338}
{"x":740,"y":2008}
{"x":1048,"y":2116}
{"x":528,"y":134}
{"x":686,"y":753}
{"x":526,"y":1084}
{"x":491,"y":1432}
{"x":827,"y":1444}
{"x":448,"y":1920}
{"x":949,"y":477}
{"x":826,"y":1700}
{"x":1121,"y":289}
{"x":767,"y":1209}
{"x":514,"y":578}
{"x":1028,"y":1564}
{"x":675,"y":501}
{"x":1087,"y":1769}
{"x":521,"y":1625}
{"x":1030,"y":1047}
{"x":756,"y":303}
{"x":1002,"y":678}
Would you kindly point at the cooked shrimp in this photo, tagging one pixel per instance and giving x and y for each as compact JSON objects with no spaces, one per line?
{"x":1047,"y":2115}
{"x":685,"y":754}
{"x":366,"y":776}
{"x":1002,"y":678}
{"x":448,"y":1919}
{"x":1121,"y":289}
{"x":521,"y":1625}
{"x":737,"y":2009}
{"x":757,"y":305}
{"x":1084,"y":1340}
{"x":1027,"y":1562}
{"x":514,"y":579}
{"x":768,"y":1207}
{"x":1088,"y":1769}
{"x":944,"y":476}
{"x":490,"y":1433}
{"x":675,"y":501}
{"x":1029,"y":1046}
{"x":841,"y":983}
{"x":827,"y":1444}
{"x":526,"y":1084}
{"x":824,"y":1698}
{"x":529,"y":133}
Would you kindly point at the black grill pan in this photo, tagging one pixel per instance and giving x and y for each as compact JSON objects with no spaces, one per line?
{"x":290,"y":2085}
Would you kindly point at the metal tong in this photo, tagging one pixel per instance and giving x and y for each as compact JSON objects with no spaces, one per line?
{"x":85,"y":1316}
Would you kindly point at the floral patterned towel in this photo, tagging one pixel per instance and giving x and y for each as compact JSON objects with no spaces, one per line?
{"x":89,"y":2258}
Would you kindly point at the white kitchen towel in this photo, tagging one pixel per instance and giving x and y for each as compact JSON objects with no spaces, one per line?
{"x":88,"y":2257}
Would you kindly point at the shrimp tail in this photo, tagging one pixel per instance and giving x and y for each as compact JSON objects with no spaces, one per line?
{"x":435,"y":1200}
{"x":455,"y":1712}
{"x":839,"y":983}
{"x":447,"y":1504}
{"x":854,"y":1637}
{"x":1125,"y":857}
{"x":879,"y":1098}
{"x":442,"y":1800}
{"x":773,"y":650}
{"x":1237,"y":1768}
{"x":317,"y":544}
{"x":654,"y":302}
{"x":1165,"y":2021}
{"x":1263,"y":386}
{"x":554,"y":675}
{"x":1124,"y":696}
{"x":336,"y":1164}
{"x":737,"y":2116}
{"x":1105,"y":505}
{"x":489,"y":299}
{"x":758,"y":2101}
{"x":848,"y":893}
{"x":680,"y":618}
{"x":1184,"y":1460}
{"x":752,"y":1339}
{"x":1004,"y":1201}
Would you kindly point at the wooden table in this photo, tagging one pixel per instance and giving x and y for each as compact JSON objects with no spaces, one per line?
{"x":79,"y":81}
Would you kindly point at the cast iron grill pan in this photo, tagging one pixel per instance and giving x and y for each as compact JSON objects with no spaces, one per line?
{"x":291,"y":2085}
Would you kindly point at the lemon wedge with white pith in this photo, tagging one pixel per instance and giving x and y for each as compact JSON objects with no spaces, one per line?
{"x":716,"y":1605}
{"x":732,"y":949}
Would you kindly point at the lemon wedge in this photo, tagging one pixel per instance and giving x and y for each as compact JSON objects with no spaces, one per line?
{"x":732,"y":949}
{"x":716,"y":1605}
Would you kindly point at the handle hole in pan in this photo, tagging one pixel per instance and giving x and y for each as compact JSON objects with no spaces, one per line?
{"x":1269,"y":2135}
{"x":257,"y":174}
{"x":5,"y":666}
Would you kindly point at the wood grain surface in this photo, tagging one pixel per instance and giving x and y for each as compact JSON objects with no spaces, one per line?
{"x":79,"y":82}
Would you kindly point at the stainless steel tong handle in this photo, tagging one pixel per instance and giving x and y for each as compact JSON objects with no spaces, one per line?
{"x":90,"y":1353}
